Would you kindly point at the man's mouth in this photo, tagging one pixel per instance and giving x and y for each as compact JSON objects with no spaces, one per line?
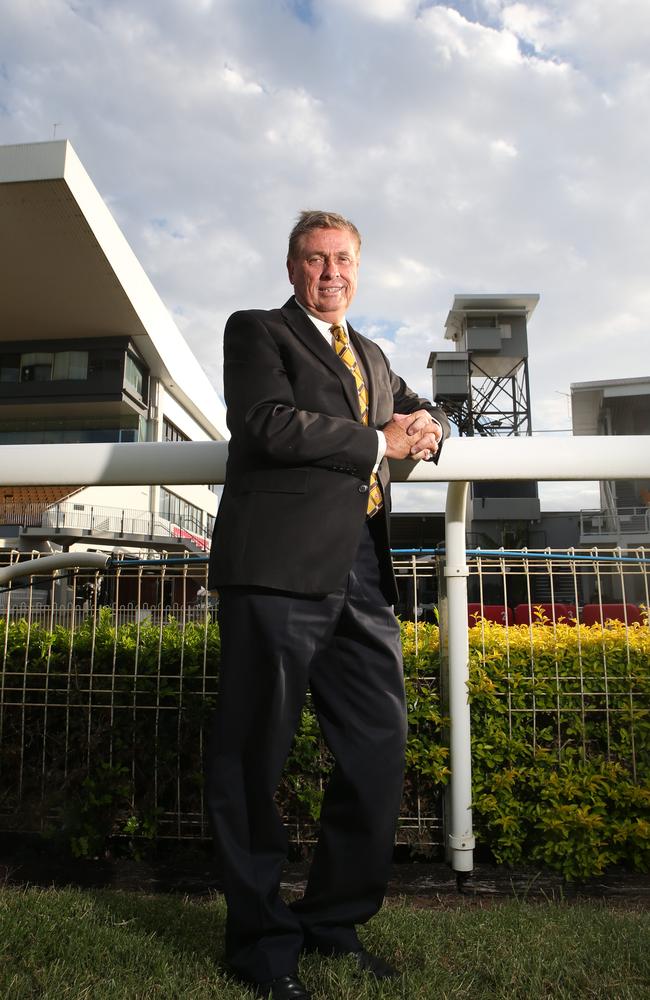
{"x":331,"y":290}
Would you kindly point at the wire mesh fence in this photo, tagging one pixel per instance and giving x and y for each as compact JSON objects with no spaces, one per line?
{"x":572,"y":634}
{"x":108,"y":680}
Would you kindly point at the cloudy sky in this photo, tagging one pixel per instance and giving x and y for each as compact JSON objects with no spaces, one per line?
{"x":479,"y":145}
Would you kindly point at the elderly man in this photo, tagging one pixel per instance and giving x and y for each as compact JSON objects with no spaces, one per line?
{"x":301,"y":559}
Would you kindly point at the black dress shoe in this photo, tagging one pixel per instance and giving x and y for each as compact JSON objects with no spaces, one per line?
{"x":367,"y":962}
{"x":282,"y":988}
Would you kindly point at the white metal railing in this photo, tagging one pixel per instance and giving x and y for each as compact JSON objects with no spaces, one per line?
{"x":612,"y":524}
{"x":71,"y":616}
{"x":99,"y":520}
{"x":463,"y":460}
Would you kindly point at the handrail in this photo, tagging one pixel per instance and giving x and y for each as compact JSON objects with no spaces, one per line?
{"x":462,"y":459}
{"x":49,"y":564}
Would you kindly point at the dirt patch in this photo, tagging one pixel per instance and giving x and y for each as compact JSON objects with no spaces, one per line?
{"x":419,"y":884}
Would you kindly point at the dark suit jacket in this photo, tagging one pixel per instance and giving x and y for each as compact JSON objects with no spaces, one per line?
{"x":299,"y":459}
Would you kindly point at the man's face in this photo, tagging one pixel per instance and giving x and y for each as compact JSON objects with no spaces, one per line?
{"x":324,"y":272}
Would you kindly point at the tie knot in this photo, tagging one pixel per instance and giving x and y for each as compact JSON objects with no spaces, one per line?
{"x":339,"y":333}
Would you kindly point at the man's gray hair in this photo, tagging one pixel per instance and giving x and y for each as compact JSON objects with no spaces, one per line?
{"x":308,"y":220}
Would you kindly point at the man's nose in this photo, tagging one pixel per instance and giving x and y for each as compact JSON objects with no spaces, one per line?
{"x":330,"y":267}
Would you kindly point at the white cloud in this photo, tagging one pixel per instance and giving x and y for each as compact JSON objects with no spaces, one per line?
{"x":235,"y":81}
{"x":503,"y":149}
{"x":382,"y":10}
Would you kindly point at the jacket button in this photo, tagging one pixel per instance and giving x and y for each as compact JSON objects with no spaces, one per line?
{"x":363,"y":488}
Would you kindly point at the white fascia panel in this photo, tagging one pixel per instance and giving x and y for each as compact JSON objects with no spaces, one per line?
{"x":178,"y":415}
{"x":623,"y":390}
{"x":118,"y":497}
{"x":39,"y":161}
{"x":585,"y":411}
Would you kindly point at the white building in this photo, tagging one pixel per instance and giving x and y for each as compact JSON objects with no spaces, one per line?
{"x":89,"y":352}
{"x":612,"y":407}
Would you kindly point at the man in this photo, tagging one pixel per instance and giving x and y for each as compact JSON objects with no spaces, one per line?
{"x":301,"y":559}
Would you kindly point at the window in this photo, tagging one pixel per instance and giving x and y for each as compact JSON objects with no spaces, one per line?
{"x":134,"y":375}
{"x":70,"y":365}
{"x":105,"y":362}
{"x":180,"y":512}
{"x":172,"y":433}
{"x":69,"y":430}
{"x":36,"y":367}
{"x":43,"y":366}
{"x":482,"y":322}
{"x":9,"y":367}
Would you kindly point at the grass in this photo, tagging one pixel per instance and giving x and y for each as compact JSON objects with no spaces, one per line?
{"x":68,"y":944}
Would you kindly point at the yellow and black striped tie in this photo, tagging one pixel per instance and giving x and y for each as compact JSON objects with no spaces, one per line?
{"x":344,"y":351}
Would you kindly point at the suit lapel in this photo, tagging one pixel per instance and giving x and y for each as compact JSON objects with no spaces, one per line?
{"x":314,"y":341}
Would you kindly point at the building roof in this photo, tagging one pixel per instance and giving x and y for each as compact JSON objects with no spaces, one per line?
{"x":68,"y":271}
{"x":502,"y":302}
{"x":587,"y":399}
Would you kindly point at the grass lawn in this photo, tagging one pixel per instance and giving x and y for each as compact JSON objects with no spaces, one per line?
{"x":68,"y":944}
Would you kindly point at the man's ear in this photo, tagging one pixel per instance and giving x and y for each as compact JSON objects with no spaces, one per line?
{"x":290,"y":269}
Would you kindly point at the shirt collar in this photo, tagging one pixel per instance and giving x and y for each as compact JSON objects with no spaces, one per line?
{"x":322,"y":324}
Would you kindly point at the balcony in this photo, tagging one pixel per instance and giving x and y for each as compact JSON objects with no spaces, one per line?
{"x":67,"y":523}
{"x":625,"y":524}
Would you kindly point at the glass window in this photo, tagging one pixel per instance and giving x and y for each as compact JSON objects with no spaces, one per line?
{"x":68,"y":430}
{"x":172,"y":433}
{"x":180,"y":512}
{"x":9,"y":367}
{"x":485,"y":322}
{"x":36,"y":367}
{"x":70,"y":365}
{"x":134,"y":375}
{"x":103,"y":361}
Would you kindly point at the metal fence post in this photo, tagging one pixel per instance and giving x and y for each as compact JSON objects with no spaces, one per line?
{"x":461,"y":839}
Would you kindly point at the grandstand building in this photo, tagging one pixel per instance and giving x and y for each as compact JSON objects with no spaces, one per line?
{"x":89,"y":353}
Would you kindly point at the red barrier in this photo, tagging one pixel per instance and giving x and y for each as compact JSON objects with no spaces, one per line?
{"x":591,"y":613}
{"x":491,"y":612}
{"x":545,"y":614}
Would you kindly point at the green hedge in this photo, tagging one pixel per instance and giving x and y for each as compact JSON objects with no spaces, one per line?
{"x":97,"y":742}
{"x":561,"y":741}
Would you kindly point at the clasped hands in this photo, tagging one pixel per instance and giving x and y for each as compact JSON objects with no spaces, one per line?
{"x":412,"y":435}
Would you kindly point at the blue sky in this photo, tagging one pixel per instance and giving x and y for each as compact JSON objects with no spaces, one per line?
{"x":480,"y":146}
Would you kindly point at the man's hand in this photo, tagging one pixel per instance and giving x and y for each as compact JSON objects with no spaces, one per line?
{"x":423,"y":431}
{"x":398,"y":442}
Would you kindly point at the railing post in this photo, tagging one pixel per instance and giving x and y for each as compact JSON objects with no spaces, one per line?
{"x":414,"y":570}
{"x":459,"y":824}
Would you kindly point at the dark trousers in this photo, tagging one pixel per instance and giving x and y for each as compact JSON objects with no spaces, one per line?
{"x":345,"y":647}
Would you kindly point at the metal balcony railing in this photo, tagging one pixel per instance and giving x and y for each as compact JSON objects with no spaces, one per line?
{"x":606,"y":525}
{"x":101,"y":521}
